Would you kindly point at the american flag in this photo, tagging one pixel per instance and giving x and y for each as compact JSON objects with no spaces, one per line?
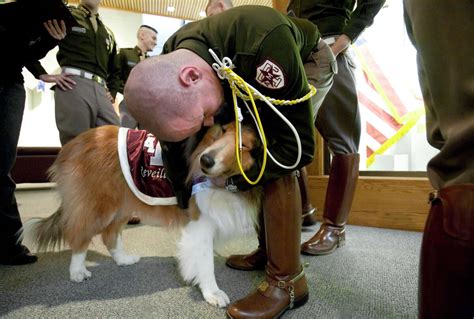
{"x":386,"y":115}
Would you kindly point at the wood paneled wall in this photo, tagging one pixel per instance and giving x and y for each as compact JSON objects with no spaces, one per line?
{"x":397,"y":203}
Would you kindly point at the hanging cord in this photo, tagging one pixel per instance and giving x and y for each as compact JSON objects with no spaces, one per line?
{"x":237,"y":84}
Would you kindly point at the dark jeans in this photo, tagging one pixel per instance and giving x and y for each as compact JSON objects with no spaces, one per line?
{"x":12,"y":103}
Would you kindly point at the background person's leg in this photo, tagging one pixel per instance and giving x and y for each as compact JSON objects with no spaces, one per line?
{"x":12,"y":104}
{"x":338,"y":121}
{"x":257,"y":259}
{"x":73,"y":109}
{"x":446,"y":282}
{"x":446,"y":75}
{"x":106,"y":114}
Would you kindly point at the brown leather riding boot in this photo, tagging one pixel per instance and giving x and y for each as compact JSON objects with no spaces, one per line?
{"x":285,"y":284}
{"x":257,"y":259}
{"x":446,"y":278}
{"x":339,"y":195}
{"x":308,"y":211}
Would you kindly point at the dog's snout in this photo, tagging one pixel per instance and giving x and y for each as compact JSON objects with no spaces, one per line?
{"x":207,"y":161}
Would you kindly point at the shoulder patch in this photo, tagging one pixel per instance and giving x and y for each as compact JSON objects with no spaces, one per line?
{"x":270,"y":75}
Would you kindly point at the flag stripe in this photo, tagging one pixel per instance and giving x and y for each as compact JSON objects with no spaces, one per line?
{"x":369,"y":151}
{"x":372,"y":143}
{"x":384,"y":116}
{"x":376,"y":134}
{"x":384,"y":82}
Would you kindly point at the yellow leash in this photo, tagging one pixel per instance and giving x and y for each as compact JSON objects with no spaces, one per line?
{"x":246,"y":92}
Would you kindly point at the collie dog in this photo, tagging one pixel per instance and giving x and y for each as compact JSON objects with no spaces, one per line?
{"x":96,"y":199}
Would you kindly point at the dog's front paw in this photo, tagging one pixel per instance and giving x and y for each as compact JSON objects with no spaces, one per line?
{"x":125,"y":260}
{"x":80,"y":275}
{"x":216,"y":298}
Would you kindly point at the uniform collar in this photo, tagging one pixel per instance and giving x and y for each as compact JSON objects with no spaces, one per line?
{"x":139,"y":51}
{"x":86,"y":11}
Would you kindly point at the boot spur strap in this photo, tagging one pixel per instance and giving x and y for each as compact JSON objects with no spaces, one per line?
{"x":333,"y":229}
{"x":309,"y":213}
{"x":264,"y":285}
{"x":285,"y":285}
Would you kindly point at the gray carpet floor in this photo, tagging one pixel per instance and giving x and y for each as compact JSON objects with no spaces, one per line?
{"x":373,"y":276}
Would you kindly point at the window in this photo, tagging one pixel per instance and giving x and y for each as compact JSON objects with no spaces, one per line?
{"x":391,"y":105}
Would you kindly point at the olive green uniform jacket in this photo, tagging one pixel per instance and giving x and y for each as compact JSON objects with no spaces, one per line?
{"x":267,"y":50}
{"x":90,"y":51}
{"x":335,"y":17}
{"x":125,"y":62}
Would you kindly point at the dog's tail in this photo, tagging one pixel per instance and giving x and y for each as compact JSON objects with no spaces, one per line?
{"x":44,"y":233}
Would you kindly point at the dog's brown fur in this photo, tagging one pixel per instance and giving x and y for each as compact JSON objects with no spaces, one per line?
{"x":97,"y":200}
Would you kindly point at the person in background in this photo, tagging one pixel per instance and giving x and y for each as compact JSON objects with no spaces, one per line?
{"x":127,"y":59}
{"x":177,"y":93}
{"x":88,"y":55}
{"x":446,"y":75}
{"x":338,"y":119}
{"x":29,"y":37}
{"x":217,"y":6}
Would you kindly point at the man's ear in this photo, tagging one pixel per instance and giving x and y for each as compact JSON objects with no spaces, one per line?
{"x":189,"y":75}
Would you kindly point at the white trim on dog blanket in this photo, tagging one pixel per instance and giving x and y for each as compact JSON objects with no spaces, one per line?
{"x":203,"y":184}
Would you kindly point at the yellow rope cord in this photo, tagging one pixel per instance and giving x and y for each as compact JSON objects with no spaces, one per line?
{"x":237,"y":84}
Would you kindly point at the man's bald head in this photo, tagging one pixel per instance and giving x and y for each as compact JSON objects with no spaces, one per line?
{"x":170,"y":95}
{"x":217,"y":6}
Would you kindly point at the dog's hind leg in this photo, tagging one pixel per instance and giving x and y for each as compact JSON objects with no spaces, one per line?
{"x":196,"y":259}
{"x":78,"y":242}
{"x":112,"y":238}
{"x":77,"y":269}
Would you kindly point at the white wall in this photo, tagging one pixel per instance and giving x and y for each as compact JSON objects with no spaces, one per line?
{"x":167,"y":26}
{"x":123,"y":24}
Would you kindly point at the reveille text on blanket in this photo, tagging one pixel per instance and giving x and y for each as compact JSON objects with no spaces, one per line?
{"x":142,"y":167}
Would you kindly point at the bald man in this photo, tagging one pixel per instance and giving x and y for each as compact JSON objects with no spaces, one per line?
{"x":177,"y":93}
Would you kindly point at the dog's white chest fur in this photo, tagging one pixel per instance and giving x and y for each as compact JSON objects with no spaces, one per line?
{"x":232,"y":213}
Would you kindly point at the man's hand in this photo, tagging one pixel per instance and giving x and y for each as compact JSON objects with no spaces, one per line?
{"x":55,"y":29}
{"x":341,"y":44}
{"x":62,"y":80}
